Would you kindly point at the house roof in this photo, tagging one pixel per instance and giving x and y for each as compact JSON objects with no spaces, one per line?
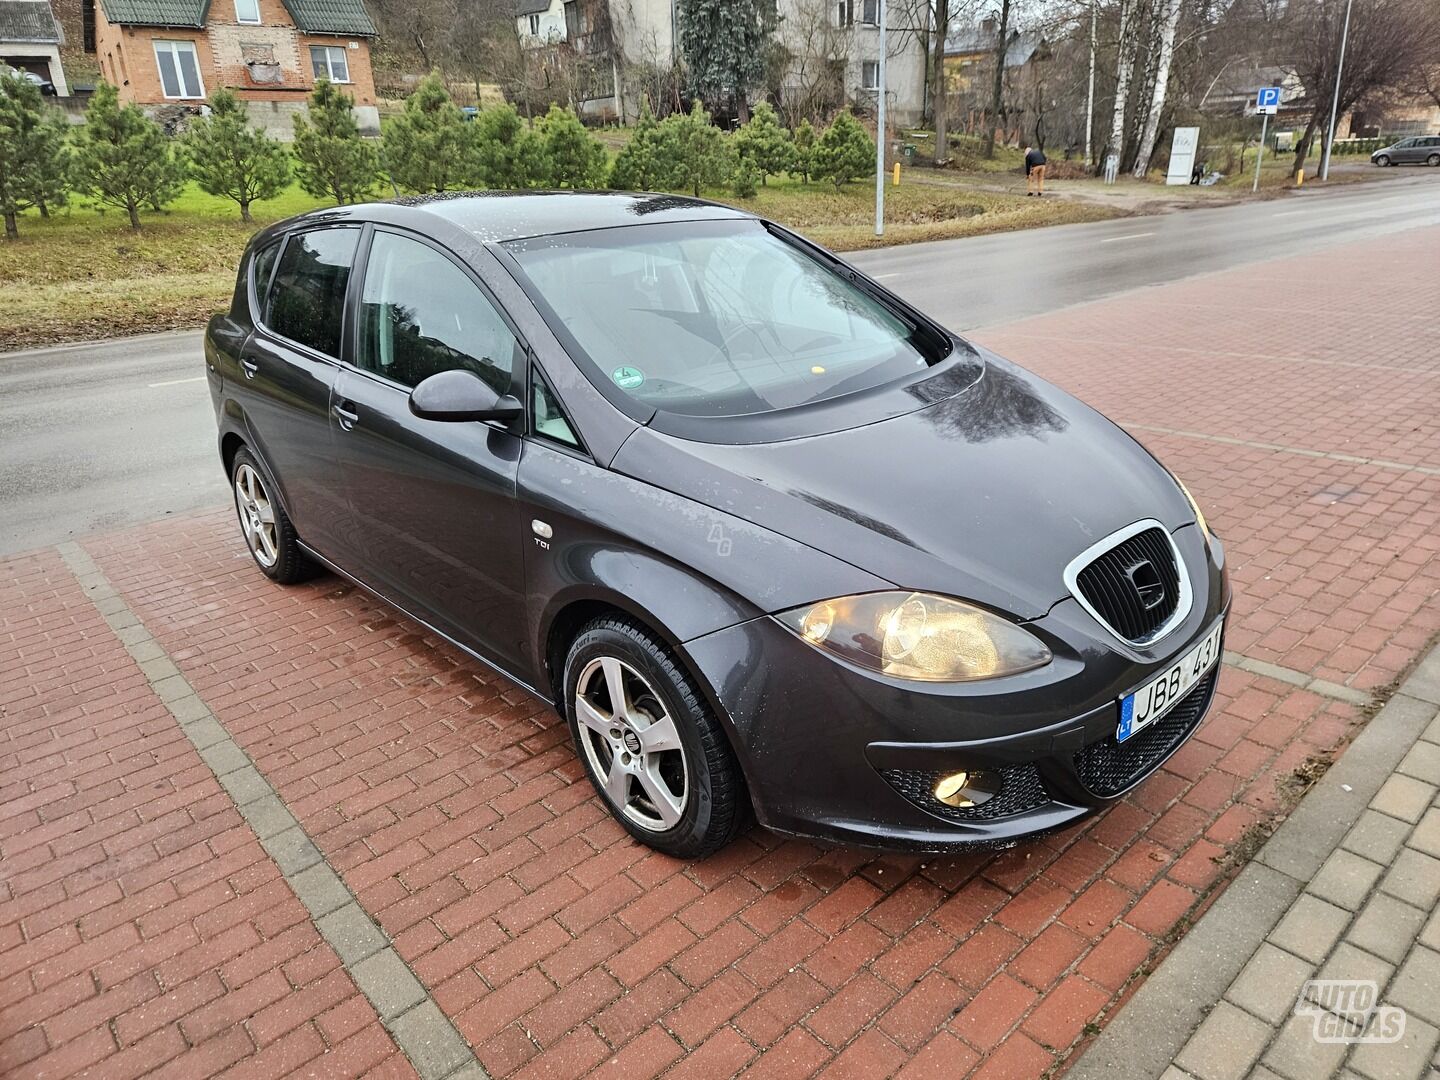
{"x":332,"y":17}
{"x":531,"y":7}
{"x":29,"y":21}
{"x":347,"y":17}
{"x":1022,"y":46}
{"x":156,"y":12}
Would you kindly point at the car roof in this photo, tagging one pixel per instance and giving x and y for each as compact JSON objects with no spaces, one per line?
{"x":498,"y":216}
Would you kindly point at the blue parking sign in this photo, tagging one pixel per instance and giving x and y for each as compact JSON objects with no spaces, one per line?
{"x":1267,"y":99}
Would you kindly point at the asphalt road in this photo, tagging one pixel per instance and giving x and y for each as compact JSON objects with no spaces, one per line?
{"x":116,"y":433}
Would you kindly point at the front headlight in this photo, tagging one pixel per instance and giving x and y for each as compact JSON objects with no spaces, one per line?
{"x":911,"y":635}
{"x":1199,"y":514}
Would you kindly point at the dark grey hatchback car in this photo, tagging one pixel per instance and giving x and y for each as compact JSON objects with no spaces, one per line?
{"x":767,"y":536}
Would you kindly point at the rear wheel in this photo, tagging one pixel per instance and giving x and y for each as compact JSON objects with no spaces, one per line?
{"x":653,"y":749}
{"x":263,"y":522}
{"x":1433,"y":160}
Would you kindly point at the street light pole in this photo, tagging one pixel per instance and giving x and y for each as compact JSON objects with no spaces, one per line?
{"x":880,"y":133}
{"x":1335,"y":102}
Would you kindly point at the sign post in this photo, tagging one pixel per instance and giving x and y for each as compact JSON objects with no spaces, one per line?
{"x":1267,"y":101}
{"x":880,"y":132}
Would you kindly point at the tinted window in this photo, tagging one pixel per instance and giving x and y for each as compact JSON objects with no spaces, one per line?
{"x":421,"y":314}
{"x":716,"y":318}
{"x":307,"y":298}
{"x":264,"y":263}
{"x":549,"y":419}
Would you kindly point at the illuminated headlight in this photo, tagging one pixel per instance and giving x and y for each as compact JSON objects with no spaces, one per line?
{"x":1199,"y":514}
{"x":911,"y":635}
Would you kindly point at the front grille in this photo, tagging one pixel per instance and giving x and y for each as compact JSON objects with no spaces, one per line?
{"x":1109,"y":584}
{"x":1108,"y":767}
{"x":1020,"y":790}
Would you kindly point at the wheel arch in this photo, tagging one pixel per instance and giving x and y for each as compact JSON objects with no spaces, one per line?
{"x":572,"y":614}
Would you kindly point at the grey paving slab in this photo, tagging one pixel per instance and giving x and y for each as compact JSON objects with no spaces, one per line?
{"x":1414,"y":877}
{"x":1386,"y":927}
{"x":1417,"y":985}
{"x":1269,"y":984}
{"x":1377,"y":836}
{"x":1227,"y":1044}
{"x":1407,"y":1059}
{"x":1345,"y":880}
{"x":1311,"y":928}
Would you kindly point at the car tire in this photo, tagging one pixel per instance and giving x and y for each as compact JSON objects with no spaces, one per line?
{"x":1382,"y":160}
{"x":691,"y":755}
{"x":264,"y":524}
{"x":1433,"y":160}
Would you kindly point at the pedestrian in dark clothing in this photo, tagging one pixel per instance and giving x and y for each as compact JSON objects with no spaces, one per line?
{"x":1034,"y":171}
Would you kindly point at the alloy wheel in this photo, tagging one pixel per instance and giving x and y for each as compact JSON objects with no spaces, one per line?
{"x":632,"y":744}
{"x":257,"y":516}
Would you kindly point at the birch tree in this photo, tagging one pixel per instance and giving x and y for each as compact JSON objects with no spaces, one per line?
{"x":1124,"y":68}
{"x":1170,"y":21}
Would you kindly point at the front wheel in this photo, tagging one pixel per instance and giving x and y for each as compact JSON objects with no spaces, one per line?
{"x":264,"y":524}
{"x":651,"y":746}
{"x":1383,"y":160}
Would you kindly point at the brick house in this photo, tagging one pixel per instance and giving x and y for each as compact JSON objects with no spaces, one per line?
{"x":270,"y":52}
{"x":30,"y":41}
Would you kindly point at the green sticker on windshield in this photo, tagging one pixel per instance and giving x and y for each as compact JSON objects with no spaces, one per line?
{"x":628,"y":378}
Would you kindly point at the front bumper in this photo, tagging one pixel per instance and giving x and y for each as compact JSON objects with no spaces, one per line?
{"x":835,"y":753}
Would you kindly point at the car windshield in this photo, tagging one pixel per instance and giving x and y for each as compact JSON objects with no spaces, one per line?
{"x":716,"y":318}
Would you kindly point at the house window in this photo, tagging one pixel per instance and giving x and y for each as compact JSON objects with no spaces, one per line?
{"x":330,"y":62}
{"x":179,"y":69}
{"x":247,"y":11}
{"x":844,"y":12}
{"x":534,"y":25}
{"x":870,"y":74}
{"x":870,"y":12}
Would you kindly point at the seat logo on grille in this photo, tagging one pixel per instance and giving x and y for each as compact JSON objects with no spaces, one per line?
{"x":1147,"y":584}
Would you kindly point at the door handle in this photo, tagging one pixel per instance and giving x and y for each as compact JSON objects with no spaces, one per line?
{"x":346,"y":414}
{"x":251,"y":367}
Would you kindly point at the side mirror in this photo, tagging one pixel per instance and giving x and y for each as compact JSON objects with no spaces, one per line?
{"x":461,"y":395}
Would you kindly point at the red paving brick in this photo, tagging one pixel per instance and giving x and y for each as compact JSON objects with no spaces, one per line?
{"x":141,"y":923}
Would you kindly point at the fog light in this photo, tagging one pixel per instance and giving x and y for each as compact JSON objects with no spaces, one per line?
{"x":965,"y":789}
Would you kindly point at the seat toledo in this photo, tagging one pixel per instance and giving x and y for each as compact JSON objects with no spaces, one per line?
{"x":769,"y":538}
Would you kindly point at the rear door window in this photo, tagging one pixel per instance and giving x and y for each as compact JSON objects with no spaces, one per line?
{"x":307,"y":297}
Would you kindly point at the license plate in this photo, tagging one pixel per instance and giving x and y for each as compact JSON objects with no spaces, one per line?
{"x":1158,"y":696}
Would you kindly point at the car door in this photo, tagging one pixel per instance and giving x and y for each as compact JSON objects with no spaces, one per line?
{"x":287,"y":368}
{"x":1407,"y":151}
{"x":437,"y":527}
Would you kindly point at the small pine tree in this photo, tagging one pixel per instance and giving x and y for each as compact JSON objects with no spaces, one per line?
{"x":430,"y":146}
{"x":331,"y":159}
{"x":762,"y":141}
{"x":694,"y":152}
{"x":122,"y":157}
{"x":233,"y":160}
{"x":638,"y":166}
{"x":32,"y":152}
{"x":573,"y":157}
{"x":509,"y":154}
{"x":804,"y":151}
{"x":844,"y":152}
{"x":747,"y":175}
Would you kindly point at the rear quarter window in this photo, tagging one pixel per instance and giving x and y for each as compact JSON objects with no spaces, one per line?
{"x":261,"y":266}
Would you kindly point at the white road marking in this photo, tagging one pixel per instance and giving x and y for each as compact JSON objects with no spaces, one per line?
{"x":1132,"y":236}
{"x":1289,"y":213}
{"x":177,"y":382}
{"x":882,"y":277}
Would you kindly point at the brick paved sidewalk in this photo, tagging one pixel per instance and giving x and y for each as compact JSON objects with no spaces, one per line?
{"x":1345,"y":890}
{"x":249,"y":829}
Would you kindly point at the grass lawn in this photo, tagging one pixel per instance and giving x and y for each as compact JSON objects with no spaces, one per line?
{"x":84,"y":274}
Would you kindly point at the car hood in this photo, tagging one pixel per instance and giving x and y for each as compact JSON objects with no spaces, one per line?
{"x":986,"y":495}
